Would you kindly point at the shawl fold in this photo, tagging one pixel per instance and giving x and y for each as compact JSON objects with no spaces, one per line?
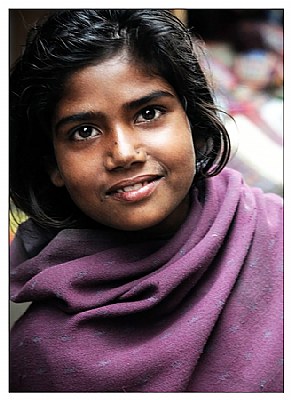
{"x":198,"y":312}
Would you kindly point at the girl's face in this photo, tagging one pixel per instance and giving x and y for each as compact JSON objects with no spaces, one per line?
{"x":124,"y":148}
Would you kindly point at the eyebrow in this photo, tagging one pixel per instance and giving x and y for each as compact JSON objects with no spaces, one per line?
{"x":131,"y":105}
{"x":78,"y":117}
{"x":146,"y":99}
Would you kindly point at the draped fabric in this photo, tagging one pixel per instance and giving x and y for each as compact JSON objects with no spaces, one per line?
{"x":200,"y":311}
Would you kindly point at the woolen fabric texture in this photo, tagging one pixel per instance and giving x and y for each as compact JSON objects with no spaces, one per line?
{"x":201,"y":311}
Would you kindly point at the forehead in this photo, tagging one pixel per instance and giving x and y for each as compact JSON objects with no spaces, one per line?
{"x":115,"y":78}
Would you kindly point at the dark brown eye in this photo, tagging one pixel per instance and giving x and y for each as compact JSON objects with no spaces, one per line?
{"x":149,"y":114}
{"x":84,"y":133}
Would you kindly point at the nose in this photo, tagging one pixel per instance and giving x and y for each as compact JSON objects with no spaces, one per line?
{"x":123,"y":150}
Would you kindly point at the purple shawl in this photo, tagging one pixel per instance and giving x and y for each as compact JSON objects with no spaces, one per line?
{"x":113,"y":312}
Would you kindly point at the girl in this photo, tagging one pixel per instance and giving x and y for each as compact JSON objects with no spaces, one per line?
{"x":149,"y":267}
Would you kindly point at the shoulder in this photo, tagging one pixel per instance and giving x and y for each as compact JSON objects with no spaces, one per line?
{"x":30,"y":238}
{"x":268,"y":205}
{"x":269,"y":210}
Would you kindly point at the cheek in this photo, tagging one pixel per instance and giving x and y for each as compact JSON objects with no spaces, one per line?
{"x":175,"y":147}
{"x":76,"y":168}
{"x":183,"y":159}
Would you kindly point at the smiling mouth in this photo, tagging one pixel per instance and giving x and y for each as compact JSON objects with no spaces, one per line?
{"x":136,"y":190}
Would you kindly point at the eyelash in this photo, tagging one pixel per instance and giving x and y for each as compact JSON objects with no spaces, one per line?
{"x":157,"y":109}
{"x":75,"y":131}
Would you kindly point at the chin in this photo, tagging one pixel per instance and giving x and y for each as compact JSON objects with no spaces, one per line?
{"x":139,"y":224}
{"x":135,"y":227}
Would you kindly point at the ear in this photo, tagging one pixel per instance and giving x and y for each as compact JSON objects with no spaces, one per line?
{"x":53,"y":171}
{"x":56,"y":177}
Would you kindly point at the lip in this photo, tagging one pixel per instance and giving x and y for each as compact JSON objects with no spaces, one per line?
{"x":130,"y":182}
{"x":136,"y":194}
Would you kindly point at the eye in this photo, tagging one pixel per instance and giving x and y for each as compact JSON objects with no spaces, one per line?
{"x":149,"y":114}
{"x":84,"y":133}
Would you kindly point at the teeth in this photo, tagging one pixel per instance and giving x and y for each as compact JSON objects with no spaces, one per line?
{"x":131,"y":188}
{"x":137,"y":186}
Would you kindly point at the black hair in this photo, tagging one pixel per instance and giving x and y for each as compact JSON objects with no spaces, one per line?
{"x":70,"y":39}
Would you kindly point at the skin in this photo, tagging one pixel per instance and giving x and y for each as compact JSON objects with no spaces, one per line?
{"x":116,"y":125}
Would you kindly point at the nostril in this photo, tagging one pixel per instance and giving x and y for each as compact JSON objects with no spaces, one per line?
{"x":123,"y":156}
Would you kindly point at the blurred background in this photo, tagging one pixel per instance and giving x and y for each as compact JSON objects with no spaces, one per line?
{"x":244,"y":60}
